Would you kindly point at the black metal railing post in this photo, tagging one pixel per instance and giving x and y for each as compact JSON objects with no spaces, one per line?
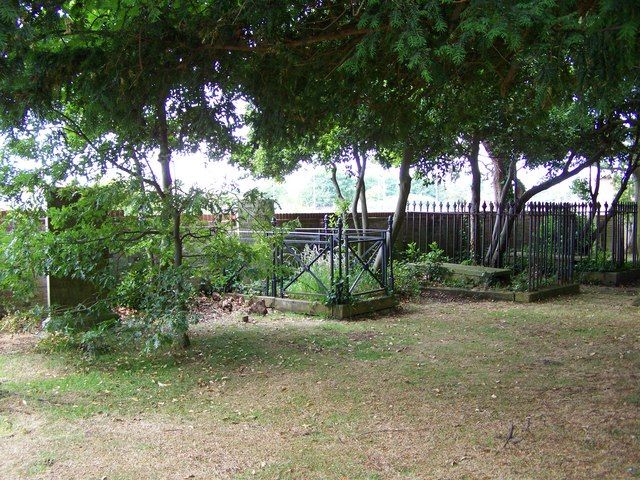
{"x":338,"y":282}
{"x":530,"y":251}
{"x":634,"y":233}
{"x":389,"y":248}
{"x":345,"y":279}
{"x":274,"y":262}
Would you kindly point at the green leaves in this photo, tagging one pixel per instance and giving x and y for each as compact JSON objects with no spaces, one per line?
{"x":453,"y":53}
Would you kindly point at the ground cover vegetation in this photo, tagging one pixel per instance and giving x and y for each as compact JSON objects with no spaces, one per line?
{"x":114,"y":92}
{"x":442,"y":389}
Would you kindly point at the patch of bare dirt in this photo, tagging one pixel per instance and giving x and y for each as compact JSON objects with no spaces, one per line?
{"x":362,"y":336}
{"x":17,"y":342}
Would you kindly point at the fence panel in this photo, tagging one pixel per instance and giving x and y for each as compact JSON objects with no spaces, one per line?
{"x":545,"y":241}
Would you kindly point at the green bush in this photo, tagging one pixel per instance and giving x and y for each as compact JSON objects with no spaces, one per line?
{"x":407,"y":279}
{"x":22,"y":259}
{"x":433,"y":261}
{"x":600,"y":262}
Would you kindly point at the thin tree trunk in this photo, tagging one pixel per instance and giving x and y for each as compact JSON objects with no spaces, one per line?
{"x":334,"y":180}
{"x":404,"y":189}
{"x":167,"y":186}
{"x":354,"y":205}
{"x":499,"y":173}
{"x":474,"y":241}
{"x":594,"y":192}
{"x":636,"y":196}
{"x":364,"y":210}
{"x":498,"y":237}
{"x":498,"y":179}
{"x":361,"y":165}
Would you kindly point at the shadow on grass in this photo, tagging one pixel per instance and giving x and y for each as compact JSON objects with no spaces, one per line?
{"x":126,"y":382}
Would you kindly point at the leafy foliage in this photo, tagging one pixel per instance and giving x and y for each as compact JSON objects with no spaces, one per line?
{"x":96,"y":90}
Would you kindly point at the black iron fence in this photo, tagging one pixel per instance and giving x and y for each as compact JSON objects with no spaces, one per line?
{"x":545,"y":241}
{"x":334,"y":263}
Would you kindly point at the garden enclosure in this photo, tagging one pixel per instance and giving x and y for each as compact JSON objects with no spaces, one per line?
{"x":545,"y":243}
{"x":333,"y":263}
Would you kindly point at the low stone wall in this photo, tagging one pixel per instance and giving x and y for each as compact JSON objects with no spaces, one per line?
{"x":612,"y":279}
{"x":507,"y":296}
{"x":339,"y":312}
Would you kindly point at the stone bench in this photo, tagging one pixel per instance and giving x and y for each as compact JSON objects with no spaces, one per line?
{"x":476,"y":273}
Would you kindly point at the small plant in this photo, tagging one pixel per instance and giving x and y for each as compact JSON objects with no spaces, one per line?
{"x":418,"y":267}
{"x":412,"y":253}
{"x":433,"y":260}
{"x":99,"y":339}
{"x":21,"y":320}
{"x":519,"y":282}
{"x":600,"y":262}
{"x":407,"y":280}
{"x":339,"y":294}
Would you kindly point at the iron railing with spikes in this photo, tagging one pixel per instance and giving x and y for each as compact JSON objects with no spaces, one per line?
{"x":544,"y":241}
{"x":334,"y":263}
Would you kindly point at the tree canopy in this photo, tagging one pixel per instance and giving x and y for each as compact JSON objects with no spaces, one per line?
{"x":102,"y":86}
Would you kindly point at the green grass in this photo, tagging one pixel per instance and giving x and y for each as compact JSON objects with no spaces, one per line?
{"x":426,"y":393}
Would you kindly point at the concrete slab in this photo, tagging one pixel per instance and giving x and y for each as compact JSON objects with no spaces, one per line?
{"x":508,"y":296}
{"x":477,"y":273}
{"x":612,"y":279}
{"x":340,"y":312}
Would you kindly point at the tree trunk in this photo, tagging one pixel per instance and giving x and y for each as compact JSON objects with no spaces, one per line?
{"x":354,"y":204}
{"x":500,"y":235}
{"x":167,"y":183}
{"x":474,"y":241}
{"x":364,"y":210}
{"x":636,"y":196}
{"x":499,"y":172}
{"x":334,"y":180}
{"x":172,"y":210}
{"x":361,"y":193}
{"x":404,"y":188}
{"x":499,"y":178}
{"x":594,"y":192}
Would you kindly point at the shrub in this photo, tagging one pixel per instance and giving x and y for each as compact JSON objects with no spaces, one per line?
{"x":433,"y":261}
{"x":407,"y":279}
{"x":600,"y":262}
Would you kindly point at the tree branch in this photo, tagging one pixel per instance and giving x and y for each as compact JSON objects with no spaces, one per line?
{"x":75,"y":128}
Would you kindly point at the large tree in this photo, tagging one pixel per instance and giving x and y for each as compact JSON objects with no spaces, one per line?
{"x":116,"y":88}
{"x":517,"y":63}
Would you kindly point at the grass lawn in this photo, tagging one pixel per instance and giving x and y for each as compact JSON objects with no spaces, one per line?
{"x":432,"y":391}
